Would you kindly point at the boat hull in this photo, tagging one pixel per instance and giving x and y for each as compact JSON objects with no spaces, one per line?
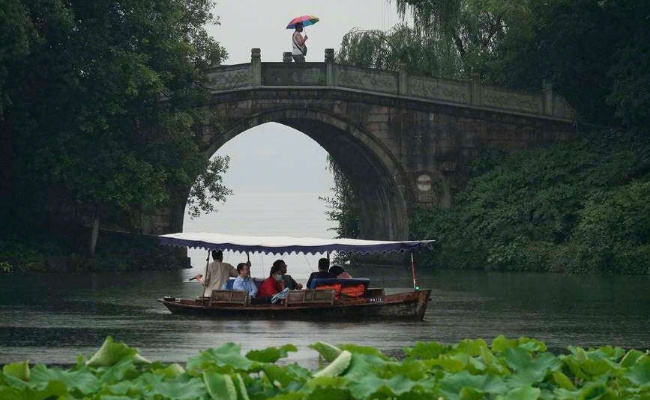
{"x":400,"y":306}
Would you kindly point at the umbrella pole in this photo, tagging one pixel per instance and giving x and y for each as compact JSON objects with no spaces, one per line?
{"x":415,"y":281}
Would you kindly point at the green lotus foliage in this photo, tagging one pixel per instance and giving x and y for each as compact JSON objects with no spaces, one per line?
{"x":271,"y":354}
{"x":505,"y":369}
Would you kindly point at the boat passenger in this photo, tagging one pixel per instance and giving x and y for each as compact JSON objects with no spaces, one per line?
{"x":288,"y":280}
{"x":244,"y":282}
{"x":273,"y":284}
{"x":339,"y":273}
{"x":216,"y":274}
{"x":323,"y":265}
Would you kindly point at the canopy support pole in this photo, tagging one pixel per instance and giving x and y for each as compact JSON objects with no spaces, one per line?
{"x":328,"y":257}
{"x":415,"y":281}
{"x":248,"y":258}
{"x":205,"y":274}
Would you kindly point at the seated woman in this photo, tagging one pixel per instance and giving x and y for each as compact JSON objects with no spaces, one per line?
{"x":338,"y":272}
{"x":273,"y":284}
{"x":244,"y":282}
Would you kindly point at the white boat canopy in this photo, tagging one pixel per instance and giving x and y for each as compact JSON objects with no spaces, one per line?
{"x":286,"y":244}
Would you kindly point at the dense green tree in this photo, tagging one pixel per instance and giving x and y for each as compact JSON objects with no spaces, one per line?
{"x":576,"y":207}
{"x":593,"y":51}
{"x":16,"y":38}
{"x":104,"y":103}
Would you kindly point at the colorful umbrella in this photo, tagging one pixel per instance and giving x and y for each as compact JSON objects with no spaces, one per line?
{"x":305,"y":19}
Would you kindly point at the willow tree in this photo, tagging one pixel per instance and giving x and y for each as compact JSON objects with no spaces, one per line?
{"x":450,"y":38}
{"x":473,"y":27}
{"x":343,"y":205}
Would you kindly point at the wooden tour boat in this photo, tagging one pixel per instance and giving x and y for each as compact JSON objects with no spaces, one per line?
{"x":309,"y":304}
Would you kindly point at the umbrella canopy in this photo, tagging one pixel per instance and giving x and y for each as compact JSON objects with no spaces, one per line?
{"x":306,"y":20}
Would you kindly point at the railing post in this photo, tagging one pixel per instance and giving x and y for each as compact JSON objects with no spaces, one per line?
{"x":547,"y":89}
{"x":403,"y":84}
{"x":256,"y":66}
{"x":476,"y":95}
{"x":286,"y":57}
{"x":329,"y":67}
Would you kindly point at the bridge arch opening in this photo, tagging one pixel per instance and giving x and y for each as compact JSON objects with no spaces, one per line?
{"x":373,"y":173}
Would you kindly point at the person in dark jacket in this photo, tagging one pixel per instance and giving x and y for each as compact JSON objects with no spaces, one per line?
{"x":323,"y":266}
{"x":339,"y":272}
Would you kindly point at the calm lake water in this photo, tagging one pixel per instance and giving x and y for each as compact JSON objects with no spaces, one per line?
{"x":49,"y":318}
{"x":53,"y":318}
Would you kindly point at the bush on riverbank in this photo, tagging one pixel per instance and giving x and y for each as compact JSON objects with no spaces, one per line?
{"x":53,"y":253}
{"x":507,"y":369}
{"x":580,"y":207}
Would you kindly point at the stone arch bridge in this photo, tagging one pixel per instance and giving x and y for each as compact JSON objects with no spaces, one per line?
{"x":403,"y":140}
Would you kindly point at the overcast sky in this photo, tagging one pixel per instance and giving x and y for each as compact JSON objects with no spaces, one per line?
{"x":273,"y":158}
{"x":246,"y":24}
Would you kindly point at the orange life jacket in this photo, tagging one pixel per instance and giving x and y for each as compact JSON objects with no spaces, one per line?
{"x":336,"y":287}
{"x":353,"y":291}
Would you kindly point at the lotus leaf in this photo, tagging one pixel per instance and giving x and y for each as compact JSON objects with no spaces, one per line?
{"x":327,"y":351}
{"x":18,"y":370}
{"x":53,"y":390}
{"x":271,"y":354}
{"x":500,"y":343}
{"x":371,"y":351}
{"x":631,"y":358}
{"x":471,"y":347}
{"x":451,"y":385}
{"x":111,"y":353}
{"x":84,"y":380}
{"x":220,"y":386}
{"x":228,"y":356}
{"x":639,"y":374}
{"x":286,"y":378}
{"x":523,"y":393}
{"x":425,"y":350}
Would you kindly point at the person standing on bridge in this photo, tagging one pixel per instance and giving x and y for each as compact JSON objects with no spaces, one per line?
{"x":297,"y":40}
{"x":299,"y":47}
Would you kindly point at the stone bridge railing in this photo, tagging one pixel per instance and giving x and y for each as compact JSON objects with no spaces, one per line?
{"x":329,"y":75}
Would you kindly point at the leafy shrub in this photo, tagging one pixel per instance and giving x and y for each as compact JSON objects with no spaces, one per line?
{"x":578,"y":207}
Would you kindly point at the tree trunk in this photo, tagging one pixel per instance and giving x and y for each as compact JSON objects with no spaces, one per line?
{"x":94,"y":234}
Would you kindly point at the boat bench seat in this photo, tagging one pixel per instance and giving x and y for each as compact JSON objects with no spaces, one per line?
{"x":234,"y":297}
{"x":309,"y":297}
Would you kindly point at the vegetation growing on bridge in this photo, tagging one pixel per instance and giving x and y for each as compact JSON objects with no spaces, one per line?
{"x":471,"y":369}
{"x":577,"y":207}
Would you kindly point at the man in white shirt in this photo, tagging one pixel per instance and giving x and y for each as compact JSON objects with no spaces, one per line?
{"x":216,"y":274}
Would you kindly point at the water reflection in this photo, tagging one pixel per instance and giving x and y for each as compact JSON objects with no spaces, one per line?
{"x":51,"y":318}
